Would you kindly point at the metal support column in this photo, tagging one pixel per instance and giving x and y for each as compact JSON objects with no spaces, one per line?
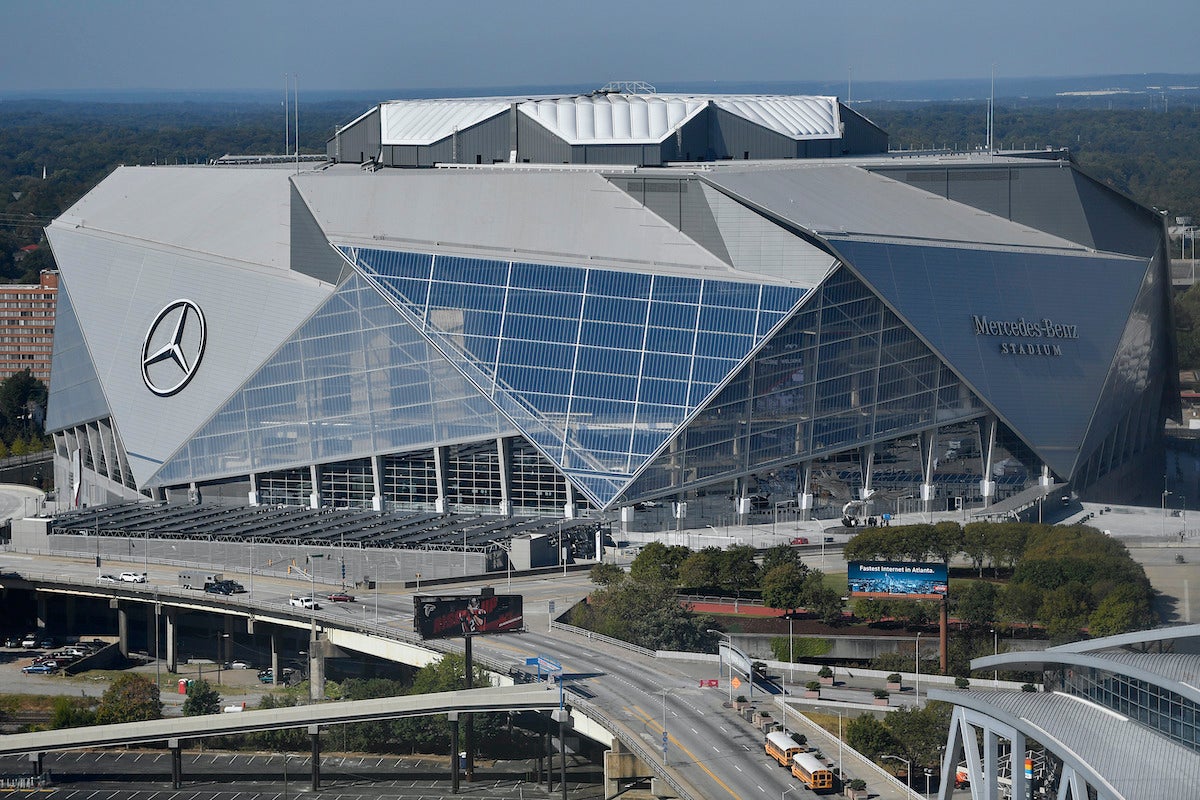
{"x":274,"y":658}
{"x":314,"y":476}
{"x":452,"y":718}
{"x":123,"y":631}
{"x":377,"y":483}
{"x":987,"y":436}
{"x":176,"y":763}
{"x":504,"y":457}
{"x":314,"y":735}
{"x":804,"y":494}
{"x":561,"y":716}
{"x":172,"y":636}
{"x":468,"y":717}
{"x":441,"y":473}
{"x":928,"y":446}
{"x":866,"y":465}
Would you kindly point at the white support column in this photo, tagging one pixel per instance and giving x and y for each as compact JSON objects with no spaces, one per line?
{"x":253,"y":494}
{"x":570,"y":510}
{"x":1045,"y":479}
{"x":314,"y":477}
{"x":440,"y":471}
{"x":1017,"y":757}
{"x":987,"y":486}
{"x":991,"y":754}
{"x":928,"y":463}
{"x":804,"y":496}
{"x":866,"y":465}
{"x":504,"y":456}
{"x":377,"y":483}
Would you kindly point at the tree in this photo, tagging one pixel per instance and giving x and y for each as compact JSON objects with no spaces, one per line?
{"x":974,"y":543}
{"x":202,"y":699}
{"x":130,"y":698}
{"x":68,"y":712}
{"x":702,"y":569}
{"x":779,"y":555}
{"x":920,"y":733}
{"x":1019,"y":602}
{"x":23,"y":401}
{"x":607,"y":574}
{"x":658,"y":563}
{"x":976,"y":603}
{"x":869,"y":736}
{"x":1125,"y":608}
{"x":784,"y":587}
{"x":739,"y":571}
{"x":1065,"y":611}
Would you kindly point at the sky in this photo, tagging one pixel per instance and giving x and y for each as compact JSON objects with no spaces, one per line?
{"x":350,"y":45}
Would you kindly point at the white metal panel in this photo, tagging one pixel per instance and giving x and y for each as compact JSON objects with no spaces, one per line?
{"x":614,"y":118}
{"x":796,"y":117}
{"x":418,"y":122}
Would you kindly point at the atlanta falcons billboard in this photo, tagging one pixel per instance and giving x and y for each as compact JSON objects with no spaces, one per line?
{"x":466,"y":615}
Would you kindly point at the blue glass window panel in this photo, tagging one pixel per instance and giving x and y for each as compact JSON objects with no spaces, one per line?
{"x":612,"y":334}
{"x":466,"y":297}
{"x":722,"y":345}
{"x":481,"y":323}
{"x":541,"y":276}
{"x":480,"y":271}
{"x":551,"y":404}
{"x":522,"y":353}
{"x":658,"y":364}
{"x":727,"y":320}
{"x":604,"y":283}
{"x":541,"y":329}
{"x":667,"y":340}
{"x":614,"y":309}
{"x":601,"y":410}
{"x":730,"y":295}
{"x":666,"y":393}
{"x":676,"y":290}
{"x":614,"y":362}
{"x":481,"y":349}
{"x":711,"y":370}
{"x":547,"y":304}
{"x":605,"y":387}
{"x":539,"y":381}
{"x":413,"y":293}
{"x":673,"y":315}
{"x":780,"y":298}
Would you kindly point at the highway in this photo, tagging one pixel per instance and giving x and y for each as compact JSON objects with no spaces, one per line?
{"x":709,"y":747}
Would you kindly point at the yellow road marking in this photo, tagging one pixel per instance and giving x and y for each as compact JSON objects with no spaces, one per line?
{"x":649,"y":720}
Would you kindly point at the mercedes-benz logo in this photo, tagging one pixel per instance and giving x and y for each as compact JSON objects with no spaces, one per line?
{"x":173,"y":347}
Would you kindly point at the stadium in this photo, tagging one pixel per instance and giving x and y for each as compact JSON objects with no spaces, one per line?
{"x":683,"y":310}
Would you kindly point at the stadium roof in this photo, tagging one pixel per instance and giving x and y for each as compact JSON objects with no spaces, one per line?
{"x":1131,"y":760}
{"x":609,"y":117}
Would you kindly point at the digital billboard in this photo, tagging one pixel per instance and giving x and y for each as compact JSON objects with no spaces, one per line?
{"x":466,"y":615}
{"x":910,"y":580}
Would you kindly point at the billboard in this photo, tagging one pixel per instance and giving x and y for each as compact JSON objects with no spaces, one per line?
{"x":910,"y":580}
{"x":466,"y":615}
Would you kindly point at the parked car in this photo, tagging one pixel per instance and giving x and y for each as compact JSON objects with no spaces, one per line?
{"x":341,"y":597}
{"x":304,"y":602}
{"x":108,"y":579}
{"x":46,"y":642}
{"x":285,"y":675}
{"x":45,"y":661}
{"x":39,"y":669}
{"x":12,"y":641}
{"x":30,"y":641}
{"x":239,"y":665}
{"x":133,"y":577}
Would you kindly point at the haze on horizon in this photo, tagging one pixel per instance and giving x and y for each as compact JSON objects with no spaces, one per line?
{"x":74,"y":45}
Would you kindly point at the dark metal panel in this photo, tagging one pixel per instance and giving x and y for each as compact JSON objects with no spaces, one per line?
{"x":76,"y":396}
{"x":1045,"y":385}
{"x":356,"y":143}
{"x":737,"y":138}
{"x":1118,"y":224}
{"x":696,"y":220}
{"x":662,"y":197}
{"x":538,"y":145}
{"x":985,"y":188}
{"x":860,"y":135}
{"x":310,"y":251}
{"x":1047,"y":199}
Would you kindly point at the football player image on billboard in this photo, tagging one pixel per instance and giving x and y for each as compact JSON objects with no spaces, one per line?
{"x":467,"y":615}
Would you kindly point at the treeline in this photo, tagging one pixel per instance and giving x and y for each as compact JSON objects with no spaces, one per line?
{"x":1065,"y":578}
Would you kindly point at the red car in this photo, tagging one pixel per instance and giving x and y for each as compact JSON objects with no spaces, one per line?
{"x":341,"y":597}
{"x":800,"y":540}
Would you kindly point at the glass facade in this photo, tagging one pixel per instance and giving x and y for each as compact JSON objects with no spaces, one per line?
{"x":353,"y":381}
{"x":843,"y":372}
{"x":598,"y":367}
{"x":1157,"y":707}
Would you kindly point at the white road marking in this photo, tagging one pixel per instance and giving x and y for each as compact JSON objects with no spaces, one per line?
{"x":764,"y":791}
{"x":735,"y":766}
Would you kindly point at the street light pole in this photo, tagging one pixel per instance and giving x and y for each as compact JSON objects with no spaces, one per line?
{"x":907,"y":770}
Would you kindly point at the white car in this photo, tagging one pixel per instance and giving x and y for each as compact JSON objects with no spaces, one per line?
{"x":304,"y":602}
{"x":133,"y":577}
{"x":108,"y":579}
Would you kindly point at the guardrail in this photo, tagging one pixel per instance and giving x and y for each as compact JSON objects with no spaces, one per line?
{"x":599,"y":637}
{"x":635,"y":745}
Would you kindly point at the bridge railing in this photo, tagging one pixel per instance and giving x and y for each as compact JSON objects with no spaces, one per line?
{"x":599,"y":637}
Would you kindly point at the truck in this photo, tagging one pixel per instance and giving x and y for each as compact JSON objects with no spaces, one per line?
{"x":199,"y":580}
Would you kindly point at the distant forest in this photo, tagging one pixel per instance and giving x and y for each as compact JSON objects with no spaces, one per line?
{"x":1151,"y":154}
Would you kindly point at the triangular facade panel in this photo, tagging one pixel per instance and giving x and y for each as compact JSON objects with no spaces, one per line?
{"x":75,"y":392}
{"x":844,"y":371}
{"x":597,"y":367}
{"x":1034,"y":332}
{"x":354,"y":380}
